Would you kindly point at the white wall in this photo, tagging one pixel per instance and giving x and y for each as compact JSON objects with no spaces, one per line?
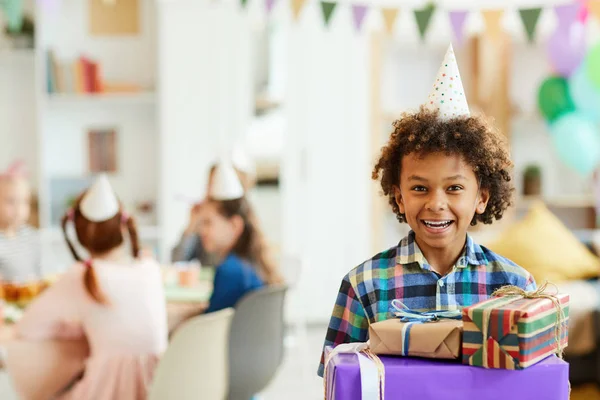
{"x":206,"y":97}
{"x":325,"y":184}
{"x":18,"y":111}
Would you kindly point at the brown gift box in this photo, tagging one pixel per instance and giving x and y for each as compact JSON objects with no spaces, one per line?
{"x":440,"y":339}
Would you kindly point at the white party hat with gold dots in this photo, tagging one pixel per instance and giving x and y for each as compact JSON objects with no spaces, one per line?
{"x":448,"y":95}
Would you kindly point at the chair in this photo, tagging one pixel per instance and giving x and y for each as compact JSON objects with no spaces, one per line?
{"x":195,"y":363}
{"x":256,"y":341}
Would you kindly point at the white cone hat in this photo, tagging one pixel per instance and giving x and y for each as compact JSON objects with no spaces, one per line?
{"x":448,"y":95}
{"x":99,"y":203}
{"x":226,"y":184}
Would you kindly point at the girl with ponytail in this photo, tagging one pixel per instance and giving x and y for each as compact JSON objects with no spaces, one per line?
{"x":114,"y":299}
{"x":229,"y":230}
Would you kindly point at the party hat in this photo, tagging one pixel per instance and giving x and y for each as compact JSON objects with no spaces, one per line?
{"x":99,"y":203}
{"x":226,"y":184}
{"x":448,"y":95}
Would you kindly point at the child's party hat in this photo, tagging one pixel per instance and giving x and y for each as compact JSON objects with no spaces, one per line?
{"x":448,"y":95}
{"x":99,"y":203}
{"x":226,"y":184}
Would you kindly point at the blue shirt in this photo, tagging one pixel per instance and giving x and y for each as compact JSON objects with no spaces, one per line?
{"x":234,"y":278}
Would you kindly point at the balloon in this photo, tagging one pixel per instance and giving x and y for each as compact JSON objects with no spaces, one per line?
{"x":577,"y":142}
{"x":554,"y":99}
{"x":585,"y":95}
{"x":592,"y":66}
{"x":567,"y":48}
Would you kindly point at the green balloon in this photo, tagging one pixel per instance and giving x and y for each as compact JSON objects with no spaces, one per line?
{"x":592,"y":66}
{"x":554,"y":99}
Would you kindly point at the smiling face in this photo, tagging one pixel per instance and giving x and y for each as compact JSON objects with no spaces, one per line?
{"x":439,"y":195}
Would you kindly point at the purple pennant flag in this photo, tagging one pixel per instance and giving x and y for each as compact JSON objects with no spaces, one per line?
{"x":566,"y":14}
{"x":457,"y":20}
{"x":359,"y":12}
{"x":269,"y":4}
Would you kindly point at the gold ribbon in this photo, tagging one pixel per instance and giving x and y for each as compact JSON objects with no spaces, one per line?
{"x":539,"y":294}
{"x":357,"y":348}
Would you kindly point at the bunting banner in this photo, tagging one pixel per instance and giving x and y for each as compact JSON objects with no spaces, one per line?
{"x":359,"y":12}
{"x":530,"y":18}
{"x":457,"y":21}
{"x":327,"y":7}
{"x":567,"y":14}
{"x":423,"y":18}
{"x":389,"y":18}
{"x":297,"y":6}
{"x":493,"y":22}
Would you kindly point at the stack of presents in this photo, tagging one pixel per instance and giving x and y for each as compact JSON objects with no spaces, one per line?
{"x":507,"y":347}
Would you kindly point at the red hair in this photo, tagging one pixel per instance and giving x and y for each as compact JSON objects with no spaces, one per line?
{"x":98,"y":237}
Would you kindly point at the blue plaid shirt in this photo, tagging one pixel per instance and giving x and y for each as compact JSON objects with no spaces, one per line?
{"x":403,"y":273}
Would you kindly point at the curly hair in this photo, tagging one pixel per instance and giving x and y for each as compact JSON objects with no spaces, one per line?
{"x":472,"y":138}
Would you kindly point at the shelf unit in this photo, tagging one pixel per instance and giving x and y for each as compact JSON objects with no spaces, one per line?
{"x":100,"y":99}
{"x":58,"y":136}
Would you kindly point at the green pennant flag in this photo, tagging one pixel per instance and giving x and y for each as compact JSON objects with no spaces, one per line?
{"x":530,"y":17}
{"x":244,"y":2}
{"x":423,"y":18}
{"x":327,"y":8}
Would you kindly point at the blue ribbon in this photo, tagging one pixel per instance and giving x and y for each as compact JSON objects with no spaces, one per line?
{"x":405,"y":314}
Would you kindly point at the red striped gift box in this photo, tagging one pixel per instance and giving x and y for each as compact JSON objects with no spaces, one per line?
{"x":512,"y":332}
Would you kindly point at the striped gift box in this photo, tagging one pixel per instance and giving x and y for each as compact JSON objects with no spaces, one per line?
{"x":512,"y":332}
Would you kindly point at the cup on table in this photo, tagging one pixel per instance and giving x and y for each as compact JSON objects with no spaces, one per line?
{"x":188,"y":273}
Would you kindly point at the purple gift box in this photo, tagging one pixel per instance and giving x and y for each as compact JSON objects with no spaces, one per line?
{"x":427,"y":379}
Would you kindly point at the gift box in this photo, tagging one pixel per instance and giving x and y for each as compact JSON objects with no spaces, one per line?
{"x":513,"y":332}
{"x":426,"y":379}
{"x":439,"y":339}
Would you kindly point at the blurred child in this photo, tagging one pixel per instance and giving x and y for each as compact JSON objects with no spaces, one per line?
{"x":442,"y":171}
{"x":20,"y":246}
{"x":229,"y":230}
{"x":190,"y":245}
{"x":117,"y":303}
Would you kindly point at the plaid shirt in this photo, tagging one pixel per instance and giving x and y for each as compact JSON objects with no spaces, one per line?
{"x":403,"y":273}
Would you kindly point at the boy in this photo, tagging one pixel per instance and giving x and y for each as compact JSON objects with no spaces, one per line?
{"x":442,"y":171}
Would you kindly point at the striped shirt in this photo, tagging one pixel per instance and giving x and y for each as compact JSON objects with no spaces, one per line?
{"x":20,"y":255}
{"x":403,"y":273}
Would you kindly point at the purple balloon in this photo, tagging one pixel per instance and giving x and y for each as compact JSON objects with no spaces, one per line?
{"x":566,"y":48}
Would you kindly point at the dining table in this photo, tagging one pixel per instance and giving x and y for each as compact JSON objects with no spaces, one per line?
{"x":39,"y":369}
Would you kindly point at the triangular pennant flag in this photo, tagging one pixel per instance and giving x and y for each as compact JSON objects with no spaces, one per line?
{"x":457,"y":20}
{"x":359,"y":12}
{"x":423,"y":18}
{"x":244,"y":2}
{"x":297,"y":6}
{"x":269,"y":5}
{"x":389,"y":18}
{"x":493,"y":22}
{"x":327,"y":8}
{"x":13,"y":9}
{"x":530,"y":18}
{"x":594,"y":8}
